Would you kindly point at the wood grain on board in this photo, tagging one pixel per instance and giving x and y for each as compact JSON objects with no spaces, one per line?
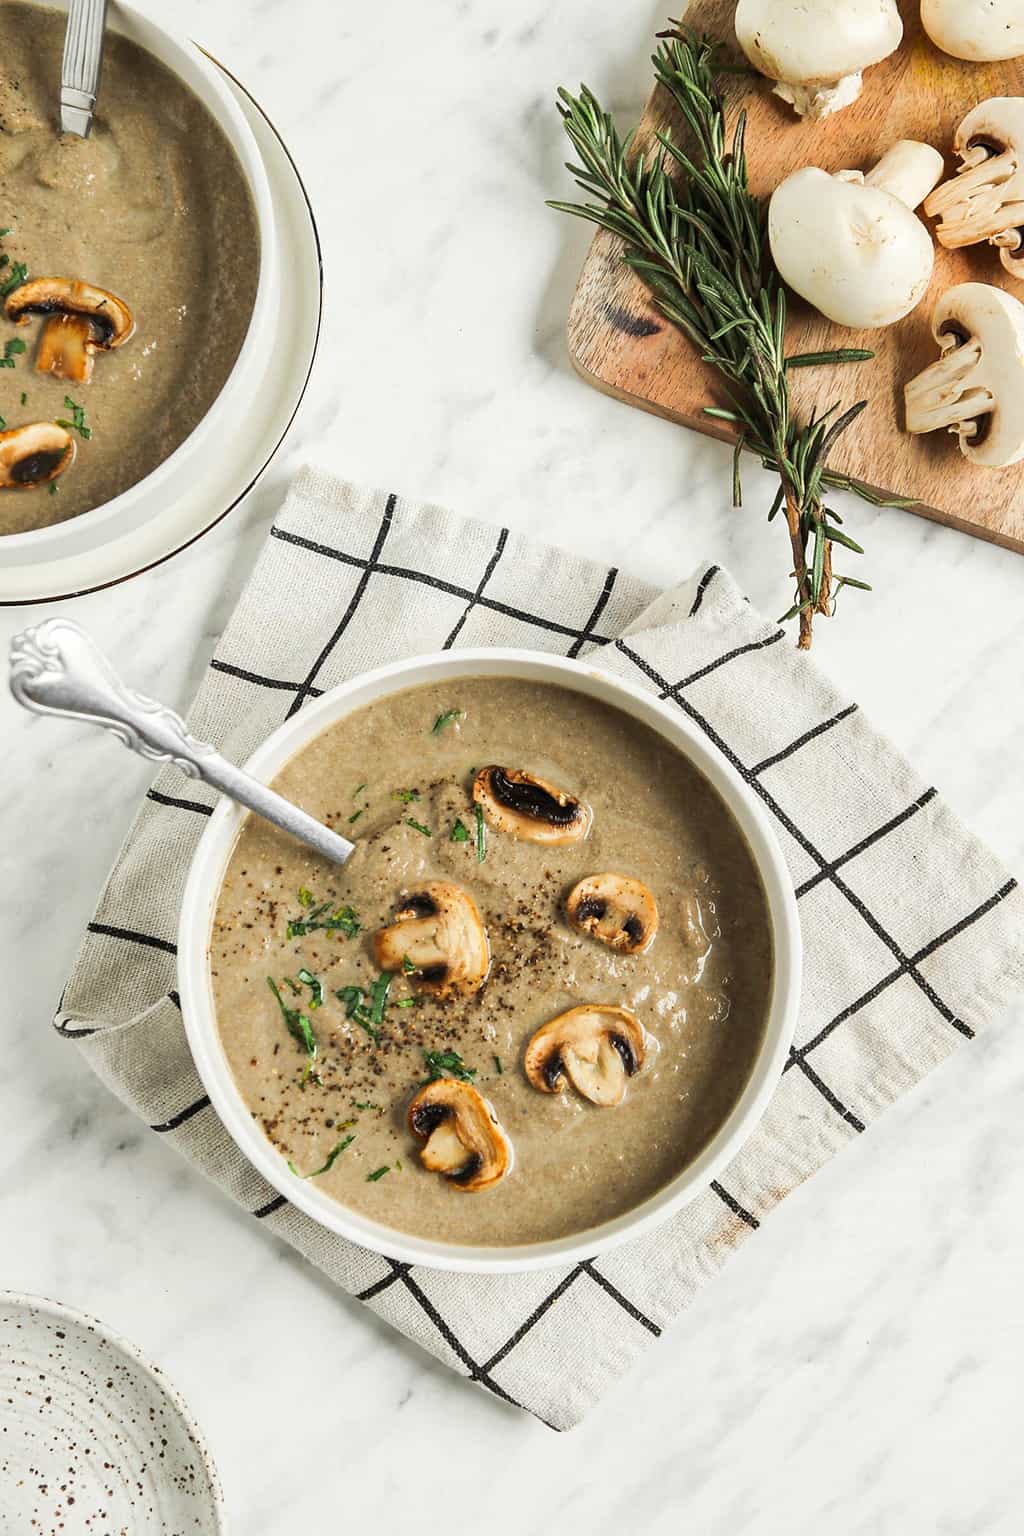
{"x":620,"y":343}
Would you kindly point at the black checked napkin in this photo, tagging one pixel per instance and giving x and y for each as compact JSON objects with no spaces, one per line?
{"x":913,"y":932}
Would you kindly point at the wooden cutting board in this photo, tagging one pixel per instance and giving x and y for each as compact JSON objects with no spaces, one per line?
{"x":622,"y":345}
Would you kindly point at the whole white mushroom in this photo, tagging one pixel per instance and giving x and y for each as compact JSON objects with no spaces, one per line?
{"x":982,"y":31}
{"x":985,"y":199}
{"x":976,"y":389}
{"x":816,"y":50}
{"x":851,"y":244}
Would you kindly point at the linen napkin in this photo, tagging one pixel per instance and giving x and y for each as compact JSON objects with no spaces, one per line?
{"x":913,"y":932}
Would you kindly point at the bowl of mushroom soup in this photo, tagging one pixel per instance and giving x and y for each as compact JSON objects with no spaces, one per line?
{"x":547,"y":998}
{"x":138,"y":277}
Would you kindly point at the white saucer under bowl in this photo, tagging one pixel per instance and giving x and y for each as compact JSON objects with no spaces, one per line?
{"x":35,"y":576}
{"x":94,"y":1438}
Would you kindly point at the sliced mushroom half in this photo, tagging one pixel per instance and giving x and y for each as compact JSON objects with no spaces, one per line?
{"x":597,"y":1047}
{"x":985,"y":199}
{"x":83,"y":320}
{"x":463,"y":1138}
{"x":616,"y":909}
{"x":529,"y":808}
{"x":33,"y":454}
{"x":438,"y":930}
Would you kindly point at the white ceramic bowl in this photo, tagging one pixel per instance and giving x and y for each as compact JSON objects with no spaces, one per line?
{"x":163,"y":485}
{"x":207,"y":873}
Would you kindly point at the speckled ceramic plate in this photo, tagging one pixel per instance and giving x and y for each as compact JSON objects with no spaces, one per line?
{"x":93,"y":1439}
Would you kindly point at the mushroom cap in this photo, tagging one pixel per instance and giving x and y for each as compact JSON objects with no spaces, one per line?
{"x":530,"y":808}
{"x":855,"y":252}
{"x":463,"y":1139}
{"x":997,"y":123}
{"x":996,"y":320}
{"x":597,"y":1046}
{"x":110,"y":318}
{"x":616,"y":909}
{"x":439,"y":929}
{"x":797,"y":41}
{"x":982,"y":31}
{"x":33,"y":454}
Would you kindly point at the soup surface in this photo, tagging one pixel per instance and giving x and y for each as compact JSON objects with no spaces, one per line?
{"x":153,"y":207}
{"x":385,"y":777}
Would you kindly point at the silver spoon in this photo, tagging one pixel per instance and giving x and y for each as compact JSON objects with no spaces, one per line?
{"x":83,"y":60}
{"x":56,"y":669}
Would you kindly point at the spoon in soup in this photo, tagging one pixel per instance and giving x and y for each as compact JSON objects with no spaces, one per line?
{"x":80,"y":69}
{"x":56,"y":669}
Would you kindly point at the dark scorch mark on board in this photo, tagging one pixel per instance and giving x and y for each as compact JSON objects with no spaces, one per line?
{"x":633,"y":325}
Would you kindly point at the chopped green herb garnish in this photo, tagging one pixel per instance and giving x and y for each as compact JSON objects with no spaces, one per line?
{"x":11,"y":349}
{"x":292,"y":986}
{"x":398,"y":1164}
{"x":418,"y":826}
{"x":54,"y":488}
{"x":5,"y":231}
{"x":332,"y":1158}
{"x":379,"y":997}
{"x":305,"y":897}
{"x":407,"y":1002}
{"x":460,"y":832}
{"x":378,"y":1173}
{"x":345,"y":920}
{"x":298,"y":1026}
{"x":407,"y":796}
{"x":358,"y":790}
{"x":446,"y":719}
{"x":497,"y":1063}
{"x":14,"y":278}
{"x":355,"y":816}
{"x":24,"y":398}
{"x":77,"y":422}
{"x":367,"y":1008}
{"x":315,"y":986}
{"x":375,"y":1107}
{"x":3,"y":428}
{"x":481,"y":836}
{"x":448,"y":1064}
{"x":407,"y":966}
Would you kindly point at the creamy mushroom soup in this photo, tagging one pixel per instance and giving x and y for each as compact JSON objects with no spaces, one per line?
{"x":138,"y":253}
{"x":532,"y":995}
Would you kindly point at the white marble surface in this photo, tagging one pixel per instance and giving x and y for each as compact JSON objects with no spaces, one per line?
{"x":858,"y":1366}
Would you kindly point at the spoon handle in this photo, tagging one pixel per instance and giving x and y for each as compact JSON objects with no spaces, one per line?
{"x":57,"y":670}
{"x":83,"y":60}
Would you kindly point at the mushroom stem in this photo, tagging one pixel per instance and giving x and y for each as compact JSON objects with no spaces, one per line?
{"x":908,"y":171}
{"x":65,"y":348}
{"x":938,"y":397}
{"x":971,"y":205}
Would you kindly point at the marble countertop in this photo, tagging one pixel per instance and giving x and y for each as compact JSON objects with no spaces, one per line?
{"x":857,"y":1367}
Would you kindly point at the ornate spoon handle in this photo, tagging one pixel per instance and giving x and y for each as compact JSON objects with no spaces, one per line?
{"x":57,"y":670}
{"x":80,"y":70}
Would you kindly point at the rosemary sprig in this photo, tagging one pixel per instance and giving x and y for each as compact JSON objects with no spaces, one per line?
{"x":698,"y":237}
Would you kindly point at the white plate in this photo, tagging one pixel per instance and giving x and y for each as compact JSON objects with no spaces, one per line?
{"x":93,"y":1438}
{"x":273,"y":402}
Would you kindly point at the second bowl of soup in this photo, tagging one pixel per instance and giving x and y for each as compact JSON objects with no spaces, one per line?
{"x":137,"y":278}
